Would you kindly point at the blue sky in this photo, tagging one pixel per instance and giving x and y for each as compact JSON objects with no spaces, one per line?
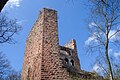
{"x":72,"y":22}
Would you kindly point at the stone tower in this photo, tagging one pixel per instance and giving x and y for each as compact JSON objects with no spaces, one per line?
{"x":44,"y":58}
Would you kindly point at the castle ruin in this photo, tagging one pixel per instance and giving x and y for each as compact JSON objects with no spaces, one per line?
{"x":45,"y":59}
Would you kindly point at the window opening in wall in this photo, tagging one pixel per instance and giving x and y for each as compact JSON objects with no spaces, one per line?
{"x":66,"y":61}
{"x":72,"y":62}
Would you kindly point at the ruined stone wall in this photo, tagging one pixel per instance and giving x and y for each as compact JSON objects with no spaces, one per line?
{"x":51,"y":63}
{"x":42,"y":59}
{"x":33,"y":53}
{"x":85,"y":76}
{"x":72,"y":45}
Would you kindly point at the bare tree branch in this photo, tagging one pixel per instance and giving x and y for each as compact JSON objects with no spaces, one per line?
{"x":8,"y":28}
{"x":114,"y":34}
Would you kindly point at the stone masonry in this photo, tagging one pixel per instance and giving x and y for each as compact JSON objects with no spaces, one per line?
{"x":45,"y":59}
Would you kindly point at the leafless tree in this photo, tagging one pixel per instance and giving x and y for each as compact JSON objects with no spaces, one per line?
{"x":104,"y":29}
{"x":13,"y":75}
{"x":4,"y":65}
{"x":6,"y":72}
{"x":8,"y":28}
{"x":2,"y":4}
{"x":103,"y":70}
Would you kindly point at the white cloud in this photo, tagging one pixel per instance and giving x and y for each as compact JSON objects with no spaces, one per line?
{"x":92,"y":24}
{"x":13,"y":3}
{"x":111,"y":33}
{"x":21,"y":22}
{"x":110,"y":51}
{"x":117,"y":55}
{"x":93,"y":38}
{"x":96,"y":68}
{"x":90,"y":39}
{"x":114,"y":37}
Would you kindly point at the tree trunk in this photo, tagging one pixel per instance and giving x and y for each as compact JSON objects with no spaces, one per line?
{"x":2,"y":4}
{"x":107,"y":58}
